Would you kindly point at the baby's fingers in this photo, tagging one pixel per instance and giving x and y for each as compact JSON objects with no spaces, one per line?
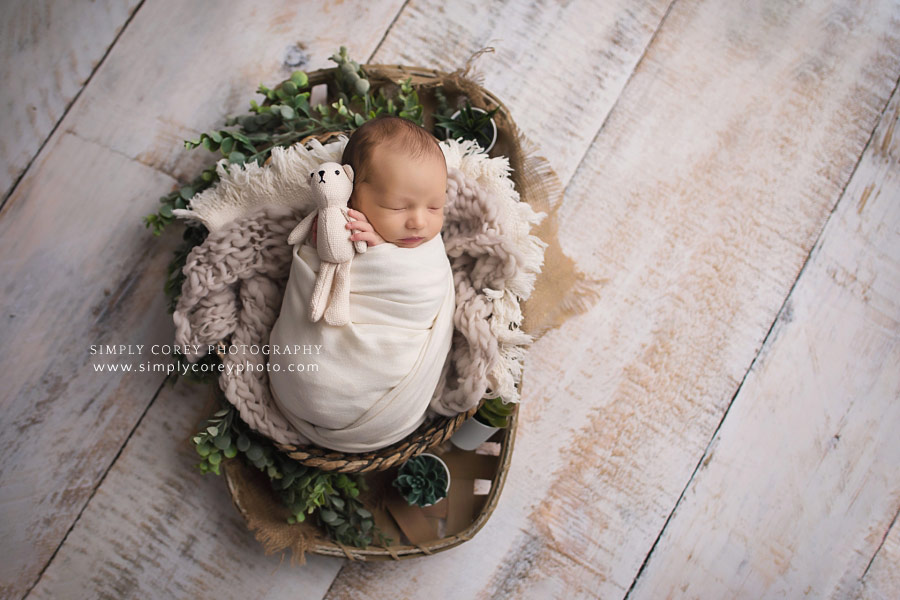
{"x":357,"y":215}
{"x":359,"y":225}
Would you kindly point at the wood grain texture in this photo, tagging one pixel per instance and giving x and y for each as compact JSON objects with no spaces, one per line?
{"x":49,"y":50}
{"x":558,"y":81}
{"x":79,"y":267}
{"x":699,"y":202}
{"x":157,"y":528}
{"x":697,"y":185}
{"x":802,"y":480}
{"x":882,"y":580}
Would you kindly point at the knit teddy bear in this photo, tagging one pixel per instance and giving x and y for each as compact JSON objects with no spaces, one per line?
{"x":331,"y":184}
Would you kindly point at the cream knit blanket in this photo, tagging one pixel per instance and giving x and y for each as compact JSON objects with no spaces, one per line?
{"x":235,"y":280}
{"x":369,"y":382}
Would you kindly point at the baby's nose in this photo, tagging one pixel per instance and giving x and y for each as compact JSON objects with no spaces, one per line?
{"x":322,"y":172}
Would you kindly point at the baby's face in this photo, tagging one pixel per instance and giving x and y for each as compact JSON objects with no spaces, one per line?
{"x":404,"y":198}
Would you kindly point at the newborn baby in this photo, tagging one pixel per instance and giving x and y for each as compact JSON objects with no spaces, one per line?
{"x":368,"y":384}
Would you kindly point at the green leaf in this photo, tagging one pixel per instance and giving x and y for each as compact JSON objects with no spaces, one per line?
{"x":242,"y":138}
{"x":255,"y":453}
{"x":165,"y":210}
{"x":216,"y":137}
{"x":329,"y":516}
{"x":300,"y":79}
{"x":214,"y":458}
{"x":213,"y":431}
{"x":230,"y":452}
{"x":237,"y":157}
{"x":223,"y":441}
{"x":287,"y":112}
{"x":227,"y":146}
{"x":243,"y":442}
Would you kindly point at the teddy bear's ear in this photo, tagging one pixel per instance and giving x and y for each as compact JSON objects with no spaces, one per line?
{"x":349,"y":171}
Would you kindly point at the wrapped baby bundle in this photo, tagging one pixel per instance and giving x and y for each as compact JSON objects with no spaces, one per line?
{"x":368,"y":383}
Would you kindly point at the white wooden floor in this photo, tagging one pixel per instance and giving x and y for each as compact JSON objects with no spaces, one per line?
{"x":723,"y":423}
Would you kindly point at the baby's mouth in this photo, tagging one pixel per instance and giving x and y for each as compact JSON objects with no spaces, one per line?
{"x":411,"y":240}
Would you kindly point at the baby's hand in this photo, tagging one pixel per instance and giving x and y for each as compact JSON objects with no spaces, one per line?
{"x":362,"y":228}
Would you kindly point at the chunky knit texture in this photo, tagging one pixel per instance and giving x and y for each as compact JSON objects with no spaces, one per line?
{"x":235,"y":280}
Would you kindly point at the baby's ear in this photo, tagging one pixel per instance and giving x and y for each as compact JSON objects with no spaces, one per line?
{"x":349,"y":171}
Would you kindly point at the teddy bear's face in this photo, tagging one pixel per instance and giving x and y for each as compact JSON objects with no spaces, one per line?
{"x":332,"y":184}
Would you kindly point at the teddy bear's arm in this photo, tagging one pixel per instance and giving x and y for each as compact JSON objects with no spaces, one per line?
{"x":302,"y":229}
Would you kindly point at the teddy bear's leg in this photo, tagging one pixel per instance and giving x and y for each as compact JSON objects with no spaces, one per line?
{"x":318,"y":300}
{"x":338,"y":311}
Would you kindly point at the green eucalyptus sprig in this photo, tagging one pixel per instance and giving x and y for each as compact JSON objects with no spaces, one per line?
{"x":350,"y":78}
{"x":215,"y":441}
{"x":284,"y":117}
{"x":330,"y":498}
{"x":422,"y":480}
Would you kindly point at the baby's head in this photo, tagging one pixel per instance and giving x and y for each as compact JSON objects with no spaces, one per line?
{"x":400,"y":179}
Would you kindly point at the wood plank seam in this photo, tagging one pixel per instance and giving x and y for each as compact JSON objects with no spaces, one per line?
{"x":587,"y":148}
{"x":98,"y":485}
{"x":783,"y":316}
{"x":387,"y":31}
{"x":69,"y":106}
{"x":880,"y":545}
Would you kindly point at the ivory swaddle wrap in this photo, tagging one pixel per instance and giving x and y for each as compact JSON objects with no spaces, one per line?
{"x":368,"y":383}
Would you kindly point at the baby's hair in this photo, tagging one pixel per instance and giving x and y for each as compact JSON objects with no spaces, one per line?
{"x":401,"y":134}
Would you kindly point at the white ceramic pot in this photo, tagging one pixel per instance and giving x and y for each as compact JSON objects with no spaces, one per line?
{"x":472,"y":434}
{"x":446,"y":468}
{"x":493,"y":127}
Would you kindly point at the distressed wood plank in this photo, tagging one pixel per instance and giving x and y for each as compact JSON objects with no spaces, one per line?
{"x":157,"y":528}
{"x":49,"y":51}
{"x":802,"y":481}
{"x":698,"y":202}
{"x":558,"y":81}
{"x":79,"y":268}
{"x":882,"y":580}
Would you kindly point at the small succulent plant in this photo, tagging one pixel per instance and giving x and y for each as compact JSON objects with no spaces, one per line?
{"x":494,"y":412}
{"x":422,"y":480}
{"x":468,"y":124}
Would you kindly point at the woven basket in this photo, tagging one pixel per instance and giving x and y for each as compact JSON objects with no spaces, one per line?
{"x":438,"y":430}
{"x":250,"y":490}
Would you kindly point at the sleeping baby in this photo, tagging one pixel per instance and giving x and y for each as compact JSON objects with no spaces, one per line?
{"x":369,"y":383}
